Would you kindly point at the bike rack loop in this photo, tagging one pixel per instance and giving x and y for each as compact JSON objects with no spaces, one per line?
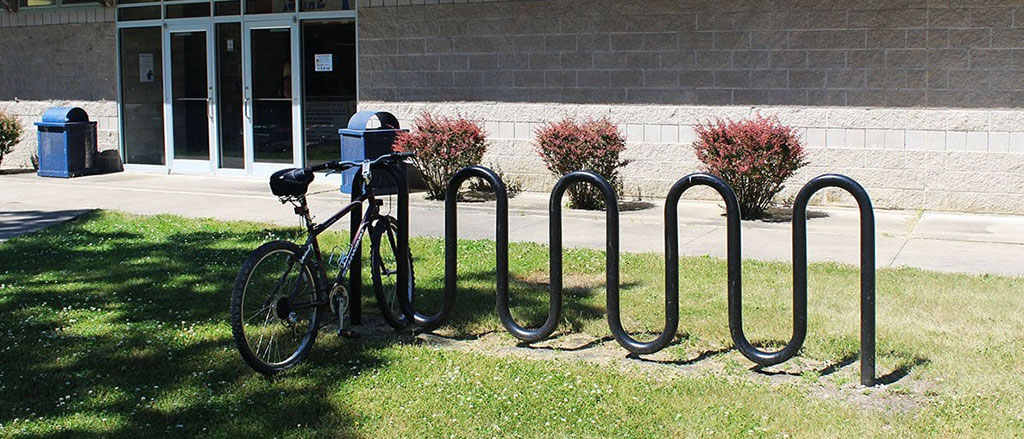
{"x":612,"y":297}
{"x":501,"y":262}
{"x":735,"y":305}
{"x":501,"y":255}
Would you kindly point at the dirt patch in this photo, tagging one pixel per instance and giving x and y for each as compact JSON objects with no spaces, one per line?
{"x":542,"y":279}
{"x":834,"y":381}
{"x":841,"y":383}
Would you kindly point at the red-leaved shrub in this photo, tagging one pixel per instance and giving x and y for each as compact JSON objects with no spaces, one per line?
{"x":755,"y":157}
{"x":10,"y":134}
{"x":443,"y":146}
{"x":592,"y":145}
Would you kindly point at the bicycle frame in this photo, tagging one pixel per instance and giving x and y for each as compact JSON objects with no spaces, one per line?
{"x":312,"y":245}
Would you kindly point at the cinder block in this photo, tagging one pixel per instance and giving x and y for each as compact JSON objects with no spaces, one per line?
{"x":977,"y":141}
{"x":1017,"y":142}
{"x":816,"y":138}
{"x":956,"y":141}
{"x":634,"y":133}
{"x":835,"y":138}
{"x":687,"y":135}
{"x":669,"y":133}
{"x":652,"y":133}
{"x":855,"y":138}
{"x":998,"y":141}
{"x":895,"y":139}
{"x":874,"y":139}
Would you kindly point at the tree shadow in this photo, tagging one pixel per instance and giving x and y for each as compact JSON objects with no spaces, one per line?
{"x":104,"y":322}
{"x":19,"y":222}
{"x":785,"y":215}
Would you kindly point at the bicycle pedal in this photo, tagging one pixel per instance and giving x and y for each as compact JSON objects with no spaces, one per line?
{"x":348,"y":333}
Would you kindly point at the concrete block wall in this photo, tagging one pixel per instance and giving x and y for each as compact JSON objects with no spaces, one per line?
{"x":904,"y":53}
{"x":28,"y":112}
{"x":920,"y":101}
{"x":58,"y":57}
{"x":967,"y":160}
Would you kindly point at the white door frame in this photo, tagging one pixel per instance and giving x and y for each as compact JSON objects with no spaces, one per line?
{"x":180,"y":166}
{"x":290,"y":23}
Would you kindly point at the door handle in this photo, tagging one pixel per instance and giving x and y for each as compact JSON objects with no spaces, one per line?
{"x":210,"y":103}
{"x":247,"y":109}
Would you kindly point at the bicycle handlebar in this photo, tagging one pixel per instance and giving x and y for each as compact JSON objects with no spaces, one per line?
{"x":339,"y":165}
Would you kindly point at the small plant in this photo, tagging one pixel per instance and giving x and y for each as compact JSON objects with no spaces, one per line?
{"x":513,"y":185}
{"x":443,"y":146}
{"x":593,"y":145}
{"x":35,"y":161}
{"x":10,"y":134}
{"x":755,"y":157}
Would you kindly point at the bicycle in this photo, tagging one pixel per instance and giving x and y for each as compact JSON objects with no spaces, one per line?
{"x":293,"y":305}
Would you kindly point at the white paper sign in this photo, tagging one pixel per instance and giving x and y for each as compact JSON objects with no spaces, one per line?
{"x":323,"y":62}
{"x":146,"y":67}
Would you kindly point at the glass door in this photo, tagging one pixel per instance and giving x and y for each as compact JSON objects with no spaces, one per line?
{"x":189,"y":98}
{"x":271,"y":93}
{"x":229,"y":93}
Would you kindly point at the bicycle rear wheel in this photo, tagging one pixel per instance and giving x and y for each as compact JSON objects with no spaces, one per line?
{"x":274,"y":308}
{"x":384,"y":251}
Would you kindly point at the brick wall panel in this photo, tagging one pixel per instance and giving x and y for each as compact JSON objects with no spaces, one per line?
{"x":899,"y":74}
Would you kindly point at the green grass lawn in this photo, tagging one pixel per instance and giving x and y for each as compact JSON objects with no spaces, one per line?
{"x":116,"y":325}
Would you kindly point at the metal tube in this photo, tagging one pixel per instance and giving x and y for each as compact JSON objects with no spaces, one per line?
{"x":612,"y":297}
{"x":355,"y":280}
{"x":734,"y":259}
{"x":501,"y":255}
{"x":867,"y":261}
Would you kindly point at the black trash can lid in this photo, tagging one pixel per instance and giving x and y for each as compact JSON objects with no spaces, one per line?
{"x":65,"y":115}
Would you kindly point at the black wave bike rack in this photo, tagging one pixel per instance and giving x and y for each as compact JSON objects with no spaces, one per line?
{"x":734,"y":262}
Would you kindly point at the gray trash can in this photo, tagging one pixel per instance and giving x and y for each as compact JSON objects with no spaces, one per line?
{"x":67,"y":143}
{"x":361,"y":143}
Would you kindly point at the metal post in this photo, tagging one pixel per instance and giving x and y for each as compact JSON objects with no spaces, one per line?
{"x":398,"y":174}
{"x":355,"y":280}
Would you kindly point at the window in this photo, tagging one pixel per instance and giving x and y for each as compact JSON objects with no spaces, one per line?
{"x":35,"y":3}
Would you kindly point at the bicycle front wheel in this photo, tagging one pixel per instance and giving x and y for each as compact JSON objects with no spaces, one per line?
{"x":384,"y":251}
{"x":274,"y":308}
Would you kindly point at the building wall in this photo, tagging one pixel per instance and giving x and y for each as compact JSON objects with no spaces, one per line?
{"x":58,"y":57}
{"x":921,"y":101}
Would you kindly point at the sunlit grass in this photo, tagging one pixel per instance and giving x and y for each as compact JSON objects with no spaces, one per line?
{"x":116,"y":325}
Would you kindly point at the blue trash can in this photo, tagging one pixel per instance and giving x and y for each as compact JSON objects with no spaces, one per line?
{"x":67,"y":143}
{"x":361,"y":143}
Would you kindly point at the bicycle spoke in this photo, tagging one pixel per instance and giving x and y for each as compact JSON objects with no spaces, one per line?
{"x":267,"y":308}
{"x":262,"y":333}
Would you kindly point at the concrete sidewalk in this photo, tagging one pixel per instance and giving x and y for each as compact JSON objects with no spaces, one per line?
{"x":939,"y":241}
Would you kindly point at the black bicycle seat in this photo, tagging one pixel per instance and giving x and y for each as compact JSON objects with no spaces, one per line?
{"x":291,"y":182}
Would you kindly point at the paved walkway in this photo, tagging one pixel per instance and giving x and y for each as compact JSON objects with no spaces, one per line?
{"x":931,"y":240}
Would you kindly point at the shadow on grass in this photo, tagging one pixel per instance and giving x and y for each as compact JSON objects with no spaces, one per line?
{"x":126,"y":334}
{"x":120,"y":328}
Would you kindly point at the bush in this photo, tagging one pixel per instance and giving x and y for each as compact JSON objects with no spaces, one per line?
{"x":513,"y":185}
{"x":443,"y":146}
{"x":592,"y":145}
{"x":10,"y":134}
{"x":755,"y":157}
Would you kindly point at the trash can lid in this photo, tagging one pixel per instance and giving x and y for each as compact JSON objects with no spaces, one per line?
{"x":359,"y":121}
{"x":63,"y":115}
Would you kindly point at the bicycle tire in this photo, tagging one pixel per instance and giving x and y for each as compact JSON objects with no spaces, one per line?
{"x":245,"y":283}
{"x":385,"y":230}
